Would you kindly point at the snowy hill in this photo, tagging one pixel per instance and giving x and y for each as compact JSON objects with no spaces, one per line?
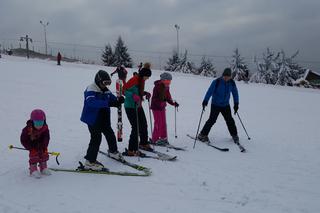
{"x":279,"y":173}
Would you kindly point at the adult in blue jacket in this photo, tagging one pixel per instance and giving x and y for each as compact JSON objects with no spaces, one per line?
{"x":220,"y":90}
{"x":96,"y":114}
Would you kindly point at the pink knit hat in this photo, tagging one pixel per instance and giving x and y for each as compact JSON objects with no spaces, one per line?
{"x":38,"y":115}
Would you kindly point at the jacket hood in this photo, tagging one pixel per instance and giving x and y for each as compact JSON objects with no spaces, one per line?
{"x":157,"y":82}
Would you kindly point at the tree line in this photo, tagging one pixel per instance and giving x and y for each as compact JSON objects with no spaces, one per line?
{"x":273,"y":67}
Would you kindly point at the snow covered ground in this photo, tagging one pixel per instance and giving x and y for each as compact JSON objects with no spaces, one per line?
{"x":279,"y":173}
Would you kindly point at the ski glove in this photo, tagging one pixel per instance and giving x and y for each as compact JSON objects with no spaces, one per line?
{"x":121,"y":99}
{"x":136,"y":98}
{"x":148,"y":95}
{"x":176,"y":104}
{"x":235,"y":108}
{"x":204,"y":104}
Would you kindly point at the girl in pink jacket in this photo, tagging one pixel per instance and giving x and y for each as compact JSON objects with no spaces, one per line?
{"x":35,"y":138}
{"x":161,"y":95}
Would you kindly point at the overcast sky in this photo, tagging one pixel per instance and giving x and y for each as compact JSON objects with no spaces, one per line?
{"x":212,"y":27}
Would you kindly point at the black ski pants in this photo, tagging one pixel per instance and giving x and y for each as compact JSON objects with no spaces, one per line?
{"x":96,"y":132}
{"x":214,"y":113}
{"x":143,"y":127}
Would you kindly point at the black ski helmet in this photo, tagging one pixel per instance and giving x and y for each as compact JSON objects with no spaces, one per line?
{"x":102,"y":76}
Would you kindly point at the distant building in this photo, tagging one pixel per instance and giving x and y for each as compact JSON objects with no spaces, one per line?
{"x":313,"y":78}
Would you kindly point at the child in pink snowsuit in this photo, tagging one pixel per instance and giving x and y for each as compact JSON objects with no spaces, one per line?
{"x":35,"y":138}
{"x":161,"y":95}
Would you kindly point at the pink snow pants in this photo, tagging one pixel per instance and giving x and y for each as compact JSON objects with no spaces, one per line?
{"x":160,"y":125}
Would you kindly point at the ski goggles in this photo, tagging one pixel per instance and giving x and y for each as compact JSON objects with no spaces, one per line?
{"x":38,"y":123}
{"x":106,"y":82}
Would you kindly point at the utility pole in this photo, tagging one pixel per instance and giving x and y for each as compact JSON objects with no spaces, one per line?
{"x":177,"y":28}
{"x":27,"y":39}
{"x":45,"y":34}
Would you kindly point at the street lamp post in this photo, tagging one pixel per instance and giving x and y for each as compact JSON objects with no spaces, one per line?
{"x":45,"y":34}
{"x":177,"y":28}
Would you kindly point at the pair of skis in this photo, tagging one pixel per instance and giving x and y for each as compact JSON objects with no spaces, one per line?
{"x":146,"y":171}
{"x":170,"y":146}
{"x":242,"y":149}
{"x":119,"y":91}
{"x":159,"y":155}
{"x":104,"y":171}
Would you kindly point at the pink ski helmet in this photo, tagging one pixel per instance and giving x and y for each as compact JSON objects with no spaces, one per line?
{"x":38,"y":115}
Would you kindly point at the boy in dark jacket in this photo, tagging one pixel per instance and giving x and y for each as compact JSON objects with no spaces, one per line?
{"x":122,"y":73}
{"x":96,"y":114}
{"x":161,"y":95}
{"x":35,"y":138}
{"x":220,"y":90}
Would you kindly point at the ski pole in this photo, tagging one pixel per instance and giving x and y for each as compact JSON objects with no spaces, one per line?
{"x":243,"y":126}
{"x":195,"y":140}
{"x":175,"y":121}
{"x":51,"y":153}
{"x":151,"y":128}
{"x":138,"y":131}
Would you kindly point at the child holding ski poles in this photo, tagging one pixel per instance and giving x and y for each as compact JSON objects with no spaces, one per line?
{"x":161,"y":95}
{"x":35,"y":138}
{"x":134,"y":92}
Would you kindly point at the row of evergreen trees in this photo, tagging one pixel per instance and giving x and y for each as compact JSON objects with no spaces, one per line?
{"x":118,"y":56}
{"x":182,"y":64}
{"x":206,"y":68}
{"x":277,"y":68}
{"x":272,"y":68}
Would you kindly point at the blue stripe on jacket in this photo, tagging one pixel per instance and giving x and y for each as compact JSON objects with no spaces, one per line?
{"x":94,"y":100}
{"x":221,"y":94}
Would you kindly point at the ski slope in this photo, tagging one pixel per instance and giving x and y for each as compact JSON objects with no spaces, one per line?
{"x":279,"y":173}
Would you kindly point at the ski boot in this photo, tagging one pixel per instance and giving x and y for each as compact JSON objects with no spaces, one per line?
{"x":116,"y":155}
{"x":44,"y":169}
{"x":34,"y":171}
{"x":162,"y":142}
{"x":203,"y":138}
{"x":133,"y":153}
{"x":95,"y":166}
{"x":146,"y":147}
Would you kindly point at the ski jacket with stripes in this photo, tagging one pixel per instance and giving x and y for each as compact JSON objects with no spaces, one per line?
{"x":132,"y":88}
{"x":95,"y":100}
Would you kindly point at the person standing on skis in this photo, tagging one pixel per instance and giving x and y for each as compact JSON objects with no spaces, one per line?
{"x":96,"y":114}
{"x":219,"y":91}
{"x":35,"y":138}
{"x":160,"y":97}
{"x":134,"y":93}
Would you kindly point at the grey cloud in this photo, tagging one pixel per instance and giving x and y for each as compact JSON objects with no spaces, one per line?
{"x":213,"y":27}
